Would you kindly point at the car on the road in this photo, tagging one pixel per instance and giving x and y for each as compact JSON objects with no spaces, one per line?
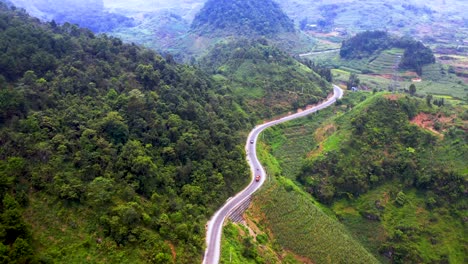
{"x":257,"y":178}
{"x":251,"y":141}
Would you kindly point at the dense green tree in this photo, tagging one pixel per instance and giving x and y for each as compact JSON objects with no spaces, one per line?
{"x":4,"y":258}
{"x":114,"y":127}
{"x":412,"y":89}
{"x":429,"y":98}
{"x":13,"y":225}
{"x":100,"y":190}
{"x":353,"y":81}
{"x":21,"y":251}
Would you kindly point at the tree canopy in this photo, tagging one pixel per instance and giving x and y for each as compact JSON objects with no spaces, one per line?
{"x":242,"y":18}
{"x":91,"y":123}
{"x":382,"y":145}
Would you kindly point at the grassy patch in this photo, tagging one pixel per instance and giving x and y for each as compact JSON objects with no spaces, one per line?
{"x":291,"y":143}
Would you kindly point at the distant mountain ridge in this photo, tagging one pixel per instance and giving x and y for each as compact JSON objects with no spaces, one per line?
{"x":86,"y":13}
{"x":242,"y":17}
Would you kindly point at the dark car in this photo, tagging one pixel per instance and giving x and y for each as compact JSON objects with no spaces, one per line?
{"x":251,"y":141}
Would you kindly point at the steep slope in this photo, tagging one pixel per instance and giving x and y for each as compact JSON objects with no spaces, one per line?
{"x":242,"y":18}
{"x":398,"y":189}
{"x":220,"y":20}
{"x":109,"y":153}
{"x":406,"y":185}
{"x":268,"y":80}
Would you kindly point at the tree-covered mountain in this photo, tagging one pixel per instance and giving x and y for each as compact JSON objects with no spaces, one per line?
{"x":266,"y":79}
{"x":109,"y":152}
{"x":242,"y":17}
{"x":371,"y":43}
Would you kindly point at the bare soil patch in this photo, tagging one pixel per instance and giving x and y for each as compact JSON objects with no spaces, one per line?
{"x":393,"y":97}
{"x":428,"y":121}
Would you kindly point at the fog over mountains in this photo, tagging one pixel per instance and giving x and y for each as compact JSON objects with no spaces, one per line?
{"x":46,"y":8}
{"x":87,"y":13}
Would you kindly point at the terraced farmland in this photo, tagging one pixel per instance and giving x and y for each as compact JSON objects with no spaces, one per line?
{"x":384,"y":63}
{"x":299,"y":134}
{"x":301,"y":226}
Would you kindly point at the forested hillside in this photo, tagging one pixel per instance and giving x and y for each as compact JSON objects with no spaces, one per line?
{"x":266,"y":79}
{"x":109,"y":152}
{"x":371,"y":43}
{"x":407,"y":185}
{"x":242,"y":17}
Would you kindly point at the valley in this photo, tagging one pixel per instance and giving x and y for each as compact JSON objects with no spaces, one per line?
{"x":123,"y":125}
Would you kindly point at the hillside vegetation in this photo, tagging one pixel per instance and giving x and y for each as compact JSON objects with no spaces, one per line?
{"x":286,"y":225}
{"x":298,"y":224}
{"x":241,"y":17}
{"x":407,"y":184}
{"x":371,"y":43}
{"x":381,"y":144}
{"x":109,"y":152}
{"x":268,"y":80}
{"x":397,"y":188}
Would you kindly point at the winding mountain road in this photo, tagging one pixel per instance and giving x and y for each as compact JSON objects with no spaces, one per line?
{"x":215,"y":225}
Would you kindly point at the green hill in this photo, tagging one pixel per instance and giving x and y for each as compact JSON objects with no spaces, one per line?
{"x":268,"y":80}
{"x":109,"y":152}
{"x":371,"y":43}
{"x":221,"y":21}
{"x":404,"y":184}
{"x":241,"y":18}
{"x":398,"y":189}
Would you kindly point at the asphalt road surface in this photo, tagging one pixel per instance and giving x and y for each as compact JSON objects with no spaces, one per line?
{"x":215,"y":225}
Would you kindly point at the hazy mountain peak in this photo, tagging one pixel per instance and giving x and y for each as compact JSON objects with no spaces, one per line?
{"x":244,"y":17}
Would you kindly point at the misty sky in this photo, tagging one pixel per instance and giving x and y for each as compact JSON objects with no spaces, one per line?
{"x":148,"y":5}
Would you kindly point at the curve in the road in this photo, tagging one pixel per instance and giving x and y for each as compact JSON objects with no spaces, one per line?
{"x":215,"y":225}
